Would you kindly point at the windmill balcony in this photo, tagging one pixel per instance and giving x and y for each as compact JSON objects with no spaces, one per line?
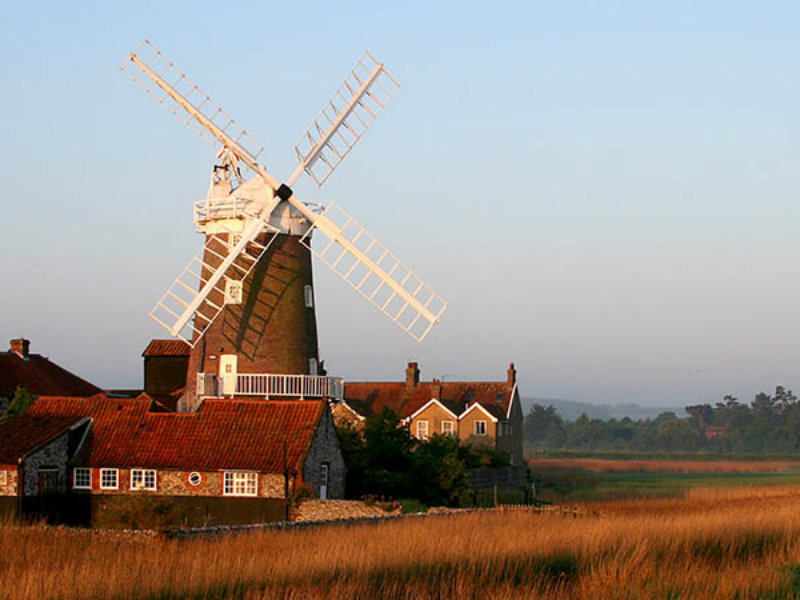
{"x":269,"y":385}
{"x":211,"y":209}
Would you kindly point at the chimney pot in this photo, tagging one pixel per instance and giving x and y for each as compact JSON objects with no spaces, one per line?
{"x":21,"y":347}
{"x":512,"y":375}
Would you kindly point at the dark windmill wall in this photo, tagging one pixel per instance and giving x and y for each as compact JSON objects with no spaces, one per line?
{"x":272,"y":330}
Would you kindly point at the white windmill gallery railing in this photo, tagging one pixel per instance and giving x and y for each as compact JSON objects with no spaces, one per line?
{"x":269,"y":385}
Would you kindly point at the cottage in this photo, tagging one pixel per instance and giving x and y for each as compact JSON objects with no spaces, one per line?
{"x":486,"y":413}
{"x":229,"y":462}
{"x":34,"y":460}
{"x":37,"y":374}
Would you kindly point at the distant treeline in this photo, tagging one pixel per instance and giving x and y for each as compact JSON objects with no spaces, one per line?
{"x":769,"y":423}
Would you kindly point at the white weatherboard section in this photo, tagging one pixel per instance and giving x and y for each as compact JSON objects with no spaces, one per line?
{"x":345,"y":118}
{"x":374,"y":272}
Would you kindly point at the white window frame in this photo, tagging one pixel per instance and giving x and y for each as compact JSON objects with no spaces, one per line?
{"x":193,"y":475}
{"x":103,"y":473}
{"x":479,"y":427}
{"x":82,"y":471}
{"x":240,"y":483}
{"x":308,"y":296}
{"x":422,"y":429}
{"x":140,"y":477}
{"x":451,"y":430}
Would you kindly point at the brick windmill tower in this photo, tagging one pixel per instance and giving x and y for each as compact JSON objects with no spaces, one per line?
{"x":245,"y":302}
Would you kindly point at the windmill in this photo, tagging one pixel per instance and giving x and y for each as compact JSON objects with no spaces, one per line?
{"x":245,"y":301}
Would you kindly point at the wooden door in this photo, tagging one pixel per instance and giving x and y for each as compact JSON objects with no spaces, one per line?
{"x":48,"y":481}
{"x":228,"y":373}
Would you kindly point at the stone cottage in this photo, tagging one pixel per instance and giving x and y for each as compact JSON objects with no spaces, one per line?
{"x":232,"y":461}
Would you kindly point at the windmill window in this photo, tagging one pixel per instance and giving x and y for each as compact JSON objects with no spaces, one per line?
{"x":233,"y":292}
{"x":309,"y":296}
{"x":195,"y":478}
{"x":3,"y":477}
{"x":479,"y":428}
{"x":313,"y":368}
{"x":233,"y":239}
{"x":422,"y":430}
{"x":109,"y":479}
{"x":82,"y":479}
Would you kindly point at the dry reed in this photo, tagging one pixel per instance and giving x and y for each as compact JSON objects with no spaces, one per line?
{"x":599,"y":465}
{"x":731,"y":543}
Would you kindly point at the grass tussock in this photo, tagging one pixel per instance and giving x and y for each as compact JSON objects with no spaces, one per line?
{"x":728,"y":543}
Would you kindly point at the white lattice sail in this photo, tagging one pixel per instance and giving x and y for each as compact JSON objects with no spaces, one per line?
{"x":374,"y":272}
{"x":345,"y":117}
{"x":152,"y":71}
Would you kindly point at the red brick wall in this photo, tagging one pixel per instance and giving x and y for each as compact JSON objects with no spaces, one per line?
{"x":272,"y":331}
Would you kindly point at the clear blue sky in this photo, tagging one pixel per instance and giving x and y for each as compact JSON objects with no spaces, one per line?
{"x":606,"y":193}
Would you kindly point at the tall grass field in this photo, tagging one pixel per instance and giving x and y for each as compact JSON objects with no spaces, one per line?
{"x":730,"y":542}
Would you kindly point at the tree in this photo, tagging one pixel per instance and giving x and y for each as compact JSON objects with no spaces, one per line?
{"x":700,"y":415}
{"x":387,"y":456}
{"x":544,"y":427}
{"x":21,"y":402}
{"x":440,"y":473}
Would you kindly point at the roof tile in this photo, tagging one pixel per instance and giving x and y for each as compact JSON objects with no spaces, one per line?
{"x":368,"y":398}
{"x":167,"y":348}
{"x":27,"y":433}
{"x":40,"y":377}
{"x":223,"y":434}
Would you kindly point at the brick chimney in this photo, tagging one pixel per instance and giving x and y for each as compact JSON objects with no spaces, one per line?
{"x":21,"y":347}
{"x":512,"y":375}
{"x":412,"y":375}
{"x":436,"y":389}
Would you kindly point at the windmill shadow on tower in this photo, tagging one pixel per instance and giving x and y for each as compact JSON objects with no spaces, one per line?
{"x":245,"y":302}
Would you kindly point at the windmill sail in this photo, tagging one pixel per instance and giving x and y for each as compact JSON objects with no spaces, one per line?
{"x":352,"y":252}
{"x":374,"y":272}
{"x":159,"y":77}
{"x":344,"y":118}
{"x":203,"y":288}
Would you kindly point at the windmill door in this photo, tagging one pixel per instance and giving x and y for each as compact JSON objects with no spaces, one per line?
{"x":227,"y":372}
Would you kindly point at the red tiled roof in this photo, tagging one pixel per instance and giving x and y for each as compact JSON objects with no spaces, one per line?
{"x":167,"y":348}
{"x":369,"y":398}
{"x":40,"y":377}
{"x":223,"y":434}
{"x":28,"y":433}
